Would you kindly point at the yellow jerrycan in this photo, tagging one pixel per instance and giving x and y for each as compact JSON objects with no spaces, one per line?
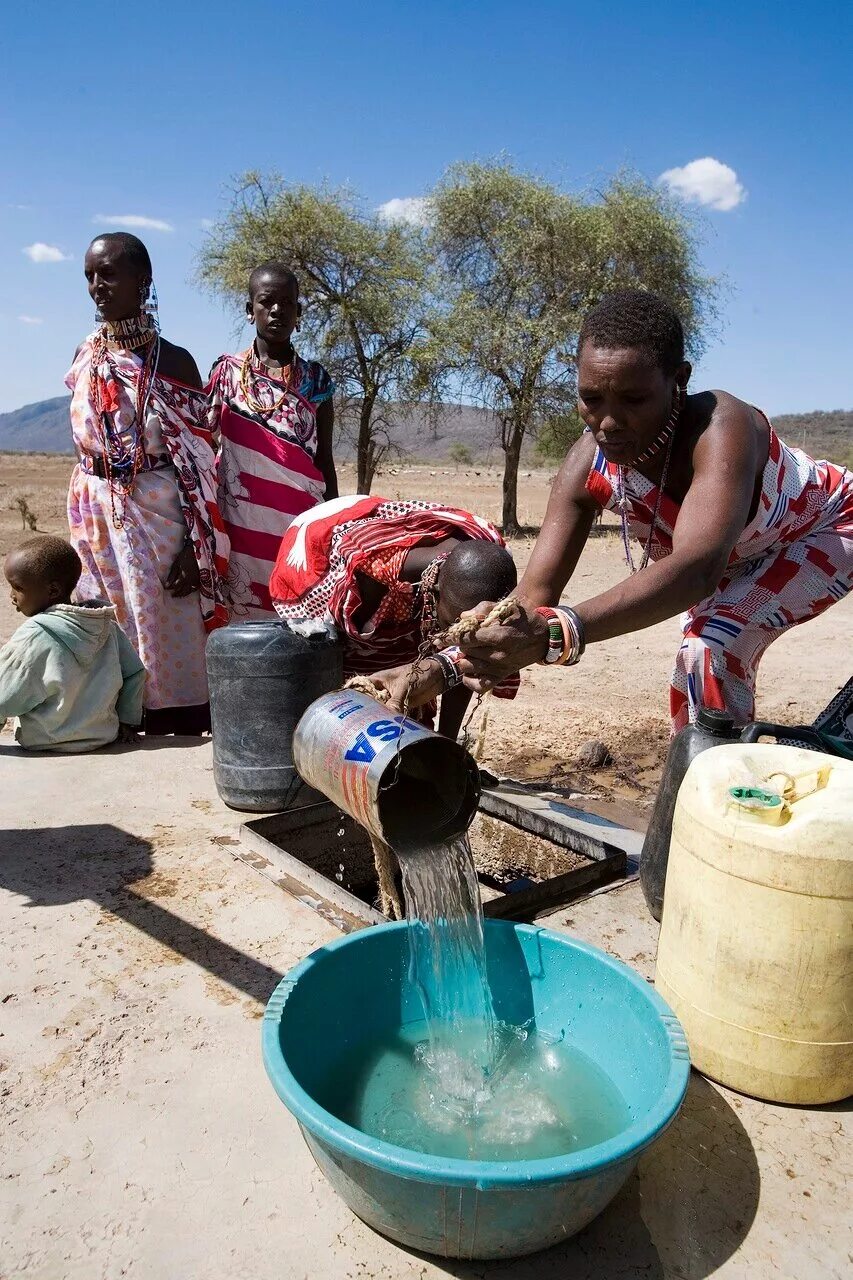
{"x":756,"y":945}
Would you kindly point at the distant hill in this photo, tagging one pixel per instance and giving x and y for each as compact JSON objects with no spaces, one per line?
{"x":825,"y":433}
{"x":420,"y":436}
{"x":44,"y":428}
{"x":37,"y":428}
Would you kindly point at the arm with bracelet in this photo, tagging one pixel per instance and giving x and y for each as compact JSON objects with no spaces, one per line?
{"x":566,"y":638}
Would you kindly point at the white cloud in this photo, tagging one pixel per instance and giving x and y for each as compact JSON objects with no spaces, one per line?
{"x":30,"y":319}
{"x":706,"y":181}
{"x":207,"y":224}
{"x":411,"y":209}
{"x":40,"y":252}
{"x":135,"y":221}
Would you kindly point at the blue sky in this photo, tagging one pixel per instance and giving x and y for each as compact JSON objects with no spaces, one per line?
{"x":148,"y":110}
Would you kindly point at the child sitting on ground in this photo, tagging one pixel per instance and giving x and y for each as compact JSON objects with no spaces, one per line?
{"x":69,"y":673}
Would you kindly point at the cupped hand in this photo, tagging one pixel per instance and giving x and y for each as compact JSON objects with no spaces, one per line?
{"x":411,"y":685}
{"x":183,"y":576}
{"x":501,"y":649}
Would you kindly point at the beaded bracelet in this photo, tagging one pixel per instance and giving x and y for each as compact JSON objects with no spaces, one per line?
{"x":577,"y":628}
{"x":558,"y":639}
{"x":555,"y":635}
{"x":447,"y":659}
{"x":566,"y":640}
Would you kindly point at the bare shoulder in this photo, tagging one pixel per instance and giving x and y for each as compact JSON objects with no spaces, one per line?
{"x":584,"y":447}
{"x":726,"y":426}
{"x":720,"y":409}
{"x":716,"y":419}
{"x":178,"y":364}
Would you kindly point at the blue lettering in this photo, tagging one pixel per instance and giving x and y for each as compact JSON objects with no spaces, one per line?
{"x":408,"y":724}
{"x":384,"y":730}
{"x":361,"y":750}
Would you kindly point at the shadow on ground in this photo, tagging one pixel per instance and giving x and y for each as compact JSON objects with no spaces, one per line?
{"x":680,"y":1217}
{"x":10,"y":749}
{"x":52,"y":866}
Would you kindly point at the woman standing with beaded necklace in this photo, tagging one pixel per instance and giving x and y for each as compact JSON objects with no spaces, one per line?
{"x":740,"y":534}
{"x":272,"y":414}
{"x":142,"y":502}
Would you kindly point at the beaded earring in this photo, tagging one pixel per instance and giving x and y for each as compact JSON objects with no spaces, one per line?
{"x":151,"y":304}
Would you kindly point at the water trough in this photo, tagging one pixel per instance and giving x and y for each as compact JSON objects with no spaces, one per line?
{"x":533,"y":855}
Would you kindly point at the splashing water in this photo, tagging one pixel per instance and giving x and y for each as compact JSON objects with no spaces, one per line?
{"x":461,"y":1083}
{"x":542,"y":1100}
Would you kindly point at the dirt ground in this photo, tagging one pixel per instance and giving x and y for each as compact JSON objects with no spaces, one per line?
{"x":141,"y":1137}
{"x":618,"y":694}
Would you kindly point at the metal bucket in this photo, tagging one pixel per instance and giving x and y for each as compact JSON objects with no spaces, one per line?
{"x":405,"y":784}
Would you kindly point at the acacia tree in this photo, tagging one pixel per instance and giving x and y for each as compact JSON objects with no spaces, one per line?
{"x":520,"y":263}
{"x":364,"y":287}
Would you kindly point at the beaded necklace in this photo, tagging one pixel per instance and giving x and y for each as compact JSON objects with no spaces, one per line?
{"x":131,"y":333}
{"x":247,"y":368}
{"x":426,"y":592}
{"x":122,"y":463}
{"x":622,"y":502}
{"x":664,"y":437}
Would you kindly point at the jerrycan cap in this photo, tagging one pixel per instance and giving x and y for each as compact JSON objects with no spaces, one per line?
{"x":760,"y":804}
{"x":720,"y":723}
{"x":755,"y":797}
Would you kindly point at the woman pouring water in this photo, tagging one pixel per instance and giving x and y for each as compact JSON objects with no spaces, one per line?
{"x":740,"y":534}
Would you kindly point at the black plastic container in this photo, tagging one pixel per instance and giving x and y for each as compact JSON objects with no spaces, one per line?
{"x":262,"y":677}
{"x":712,"y":728}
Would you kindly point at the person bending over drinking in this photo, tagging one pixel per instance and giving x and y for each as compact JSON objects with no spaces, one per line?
{"x":386,"y":576}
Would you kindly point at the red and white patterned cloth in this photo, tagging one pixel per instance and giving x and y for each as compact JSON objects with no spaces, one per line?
{"x":315,"y":580}
{"x":266,"y":467}
{"x":792,"y":561}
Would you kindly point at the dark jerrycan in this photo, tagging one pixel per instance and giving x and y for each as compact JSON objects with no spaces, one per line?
{"x":262,"y":677}
{"x":710,"y":730}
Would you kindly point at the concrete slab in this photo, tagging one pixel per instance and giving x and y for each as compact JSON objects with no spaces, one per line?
{"x":140,"y":1137}
{"x":579,"y":827}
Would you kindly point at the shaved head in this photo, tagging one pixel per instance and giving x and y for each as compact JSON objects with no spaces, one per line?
{"x":473,"y":572}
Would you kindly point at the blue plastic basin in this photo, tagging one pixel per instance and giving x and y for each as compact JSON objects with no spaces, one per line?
{"x":355,"y":990}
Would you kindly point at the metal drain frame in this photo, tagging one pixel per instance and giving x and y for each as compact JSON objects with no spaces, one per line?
{"x":525,"y":810}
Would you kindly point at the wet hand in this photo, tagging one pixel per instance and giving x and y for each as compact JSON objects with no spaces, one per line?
{"x":411,"y":685}
{"x":492,"y":653}
{"x":183,"y":576}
